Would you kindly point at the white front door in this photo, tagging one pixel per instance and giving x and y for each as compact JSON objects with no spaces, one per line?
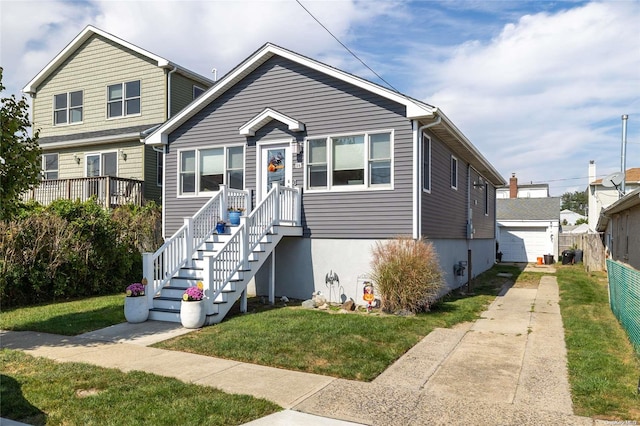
{"x":274,"y":165}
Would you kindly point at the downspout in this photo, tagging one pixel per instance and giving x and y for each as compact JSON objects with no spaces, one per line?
{"x":169,"y":91}
{"x":417,"y":184}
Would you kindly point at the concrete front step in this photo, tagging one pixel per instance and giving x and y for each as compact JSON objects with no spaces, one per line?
{"x":173,"y":315}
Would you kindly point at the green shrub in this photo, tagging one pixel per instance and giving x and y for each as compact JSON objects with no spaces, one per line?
{"x":407,"y":274}
{"x":73,"y":249}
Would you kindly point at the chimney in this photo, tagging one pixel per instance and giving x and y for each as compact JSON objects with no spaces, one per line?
{"x":592,"y":171}
{"x":513,"y":186}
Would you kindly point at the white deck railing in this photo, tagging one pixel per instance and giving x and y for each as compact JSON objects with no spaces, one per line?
{"x":159,"y":267}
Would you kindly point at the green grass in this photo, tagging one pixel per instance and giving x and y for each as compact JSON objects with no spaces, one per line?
{"x":603,"y":367}
{"x":39,"y":391}
{"x":66,"y":318}
{"x":355,"y":346}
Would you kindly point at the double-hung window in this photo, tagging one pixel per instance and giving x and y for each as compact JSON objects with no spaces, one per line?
{"x":426,"y":163}
{"x":454,"y":172}
{"x":67,"y":108}
{"x":204,"y":170}
{"x":123,"y":99}
{"x":50,"y":166}
{"x":350,"y":161}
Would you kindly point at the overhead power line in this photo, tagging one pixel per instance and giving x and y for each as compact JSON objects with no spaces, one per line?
{"x":346,"y":48}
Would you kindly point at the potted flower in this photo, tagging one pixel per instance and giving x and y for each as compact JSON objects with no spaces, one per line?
{"x":234,"y":215}
{"x":220,"y":226}
{"x":135,"y":303}
{"x":192,"y":309}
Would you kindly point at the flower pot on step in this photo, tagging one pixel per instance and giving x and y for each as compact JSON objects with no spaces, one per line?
{"x":136,"y":309}
{"x":234,"y":218}
{"x":192,"y":313}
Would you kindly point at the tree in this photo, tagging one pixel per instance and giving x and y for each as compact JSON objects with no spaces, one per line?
{"x":581,"y":221}
{"x":575,"y":201}
{"x":19,"y":153}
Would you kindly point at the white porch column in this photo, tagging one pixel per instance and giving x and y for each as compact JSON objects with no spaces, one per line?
{"x":272,"y":279}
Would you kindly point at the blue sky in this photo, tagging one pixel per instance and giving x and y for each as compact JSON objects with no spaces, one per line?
{"x":539,"y":87}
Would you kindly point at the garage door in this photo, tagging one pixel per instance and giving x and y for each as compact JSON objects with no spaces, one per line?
{"x":523,"y":244}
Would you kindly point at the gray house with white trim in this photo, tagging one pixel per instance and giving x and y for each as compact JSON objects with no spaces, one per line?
{"x":369,"y":164}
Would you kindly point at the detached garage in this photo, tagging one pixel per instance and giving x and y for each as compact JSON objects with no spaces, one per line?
{"x":527,"y":228}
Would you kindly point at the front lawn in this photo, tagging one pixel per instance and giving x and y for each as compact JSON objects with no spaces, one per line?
{"x":66,"y":318}
{"x":355,"y":346}
{"x":38,"y":391}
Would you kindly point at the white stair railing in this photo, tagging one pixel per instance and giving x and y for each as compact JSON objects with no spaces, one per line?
{"x":159,"y":267}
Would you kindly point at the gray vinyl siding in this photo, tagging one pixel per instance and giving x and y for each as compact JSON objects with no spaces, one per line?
{"x":484,"y":225}
{"x":444,"y":209}
{"x":327,"y":107}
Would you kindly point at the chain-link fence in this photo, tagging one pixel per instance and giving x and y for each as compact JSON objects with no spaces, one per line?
{"x":624,"y":297}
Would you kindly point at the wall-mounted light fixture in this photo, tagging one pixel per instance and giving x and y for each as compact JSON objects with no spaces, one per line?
{"x":296,"y":147}
{"x":76,"y":158}
{"x":123,"y":155}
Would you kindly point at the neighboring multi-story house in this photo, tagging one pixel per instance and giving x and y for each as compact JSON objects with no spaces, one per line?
{"x":515,"y":190}
{"x":603,"y":194}
{"x":91,"y":103}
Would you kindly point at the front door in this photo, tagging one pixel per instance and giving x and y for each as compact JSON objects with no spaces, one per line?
{"x":274,"y":165}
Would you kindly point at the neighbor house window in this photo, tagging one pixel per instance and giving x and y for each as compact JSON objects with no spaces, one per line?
{"x":197,"y":91}
{"x":349,"y":162}
{"x":50,"y":166}
{"x":214,"y":167}
{"x":123,"y":99}
{"x":159,"y":167}
{"x":454,"y":172}
{"x":67,"y":108}
{"x":426,"y":163}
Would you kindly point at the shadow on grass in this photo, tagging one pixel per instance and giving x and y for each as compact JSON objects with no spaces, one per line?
{"x":74,"y":323}
{"x":15,"y":406}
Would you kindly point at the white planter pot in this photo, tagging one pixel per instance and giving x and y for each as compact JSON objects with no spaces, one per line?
{"x":136,"y":309}
{"x":192,"y":314}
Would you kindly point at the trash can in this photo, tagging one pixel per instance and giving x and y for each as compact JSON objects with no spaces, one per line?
{"x":567,"y":257}
{"x":548,"y":259}
{"x":577,"y":258}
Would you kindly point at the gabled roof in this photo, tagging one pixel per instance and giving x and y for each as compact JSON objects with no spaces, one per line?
{"x":415,"y":109}
{"x":268,"y":114}
{"x":90,"y":31}
{"x":528,"y":208}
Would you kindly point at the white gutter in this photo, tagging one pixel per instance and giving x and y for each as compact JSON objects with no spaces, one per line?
{"x":169,"y":91}
{"x":417,"y":167}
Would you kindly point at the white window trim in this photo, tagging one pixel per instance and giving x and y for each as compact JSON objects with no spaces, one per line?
{"x":207,"y":194}
{"x":454,"y":185}
{"x":100,"y":153}
{"x":486,"y":198}
{"x":428,"y":138}
{"x":124,"y":98}
{"x":193,"y":91}
{"x":44,"y":165}
{"x":366,"y":186}
{"x":68,"y":109}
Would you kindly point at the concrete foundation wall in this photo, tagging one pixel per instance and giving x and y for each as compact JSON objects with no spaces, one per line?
{"x":303,"y":264}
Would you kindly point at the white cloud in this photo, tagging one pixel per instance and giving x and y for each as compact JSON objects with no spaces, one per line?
{"x":535,"y":97}
{"x":540,"y":96}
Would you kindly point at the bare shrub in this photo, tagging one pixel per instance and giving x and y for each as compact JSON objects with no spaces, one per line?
{"x":407,"y":274}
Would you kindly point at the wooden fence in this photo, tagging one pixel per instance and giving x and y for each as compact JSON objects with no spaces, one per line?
{"x":593,"y":255}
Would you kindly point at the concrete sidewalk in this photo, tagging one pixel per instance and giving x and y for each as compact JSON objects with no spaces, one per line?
{"x":509,"y":367}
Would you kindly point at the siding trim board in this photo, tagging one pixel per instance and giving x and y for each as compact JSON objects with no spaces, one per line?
{"x":88,"y":32}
